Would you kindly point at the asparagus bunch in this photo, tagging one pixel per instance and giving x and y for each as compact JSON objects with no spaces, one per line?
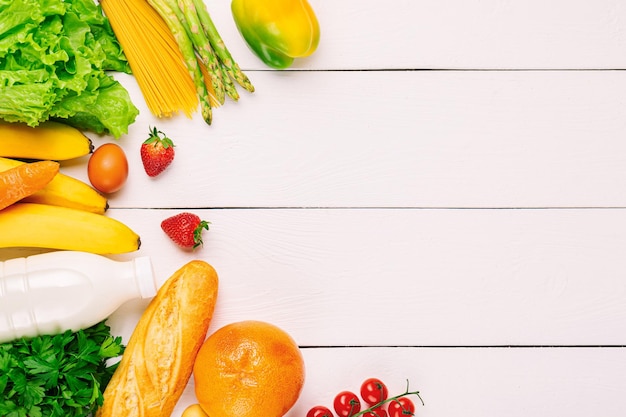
{"x":198,"y":39}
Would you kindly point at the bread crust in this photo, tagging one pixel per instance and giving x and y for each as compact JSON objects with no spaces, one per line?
{"x":158,"y":360}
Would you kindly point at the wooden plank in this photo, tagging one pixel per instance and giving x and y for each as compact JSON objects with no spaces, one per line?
{"x":409,"y":277}
{"x":401,"y":264}
{"x":427,"y":139}
{"x":455,"y":34}
{"x":472,"y":382}
{"x":482,"y":382}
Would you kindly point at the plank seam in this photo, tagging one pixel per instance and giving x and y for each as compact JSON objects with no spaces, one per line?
{"x":465,"y":346}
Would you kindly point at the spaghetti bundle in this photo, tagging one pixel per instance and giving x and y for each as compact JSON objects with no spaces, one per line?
{"x":154,"y":57}
{"x":175,"y":67}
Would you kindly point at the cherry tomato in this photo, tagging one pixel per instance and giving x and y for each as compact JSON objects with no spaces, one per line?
{"x":401,"y":407}
{"x":373,"y":391}
{"x":107,"y":168}
{"x":347,"y":404}
{"x":319,"y":411}
{"x":376,"y":412}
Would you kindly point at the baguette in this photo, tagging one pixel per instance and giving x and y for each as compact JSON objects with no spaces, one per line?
{"x":158,"y":359}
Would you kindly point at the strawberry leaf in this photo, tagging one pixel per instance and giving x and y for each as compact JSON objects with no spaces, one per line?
{"x":157,"y":136}
{"x":197,"y":233}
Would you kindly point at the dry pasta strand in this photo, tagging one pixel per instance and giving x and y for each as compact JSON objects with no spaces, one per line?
{"x":154,"y":57}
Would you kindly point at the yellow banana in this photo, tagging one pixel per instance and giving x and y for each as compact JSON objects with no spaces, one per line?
{"x":50,"y":140}
{"x":64,"y":191}
{"x":53,"y":227}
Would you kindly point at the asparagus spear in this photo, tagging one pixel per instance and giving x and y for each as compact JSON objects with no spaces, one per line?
{"x":187,"y":49}
{"x":189,"y":19}
{"x":218,"y":45}
{"x":198,"y":39}
{"x":229,"y":85}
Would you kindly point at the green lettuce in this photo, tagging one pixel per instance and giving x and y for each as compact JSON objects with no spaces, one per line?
{"x":55,"y":57}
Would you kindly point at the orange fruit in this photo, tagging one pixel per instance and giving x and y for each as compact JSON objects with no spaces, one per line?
{"x":248,"y":369}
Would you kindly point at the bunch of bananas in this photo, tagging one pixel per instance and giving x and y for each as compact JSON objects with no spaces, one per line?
{"x":67,"y":214}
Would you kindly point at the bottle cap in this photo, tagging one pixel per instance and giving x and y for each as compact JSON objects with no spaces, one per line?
{"x":145,"y":277}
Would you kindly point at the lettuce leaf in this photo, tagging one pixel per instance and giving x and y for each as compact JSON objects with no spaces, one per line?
{"x":54,"y":61}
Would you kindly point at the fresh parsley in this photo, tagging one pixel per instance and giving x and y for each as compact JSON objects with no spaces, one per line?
{"x":61,"y":375}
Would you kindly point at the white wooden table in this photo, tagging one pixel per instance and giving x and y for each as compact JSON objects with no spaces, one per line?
{"x":438,"y":194}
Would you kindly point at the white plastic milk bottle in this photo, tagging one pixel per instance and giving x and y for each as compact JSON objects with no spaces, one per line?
{"x":67,"y":290}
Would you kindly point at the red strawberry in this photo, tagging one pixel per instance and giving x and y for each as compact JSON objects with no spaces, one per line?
{"x":157,"y":152}
{"x":185,"y":229}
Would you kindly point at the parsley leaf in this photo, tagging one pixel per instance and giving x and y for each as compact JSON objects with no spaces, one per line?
{"x":62,"y":375}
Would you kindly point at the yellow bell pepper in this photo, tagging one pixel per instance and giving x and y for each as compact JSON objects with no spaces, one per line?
{"x":277,"y":31}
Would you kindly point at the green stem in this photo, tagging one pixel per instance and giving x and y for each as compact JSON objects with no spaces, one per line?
{"x":219,"y":47}
{"x":189,"y":18}
{"x":185,"y":44}
{"x":231,"y":90}
{"x":388,"y":400}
